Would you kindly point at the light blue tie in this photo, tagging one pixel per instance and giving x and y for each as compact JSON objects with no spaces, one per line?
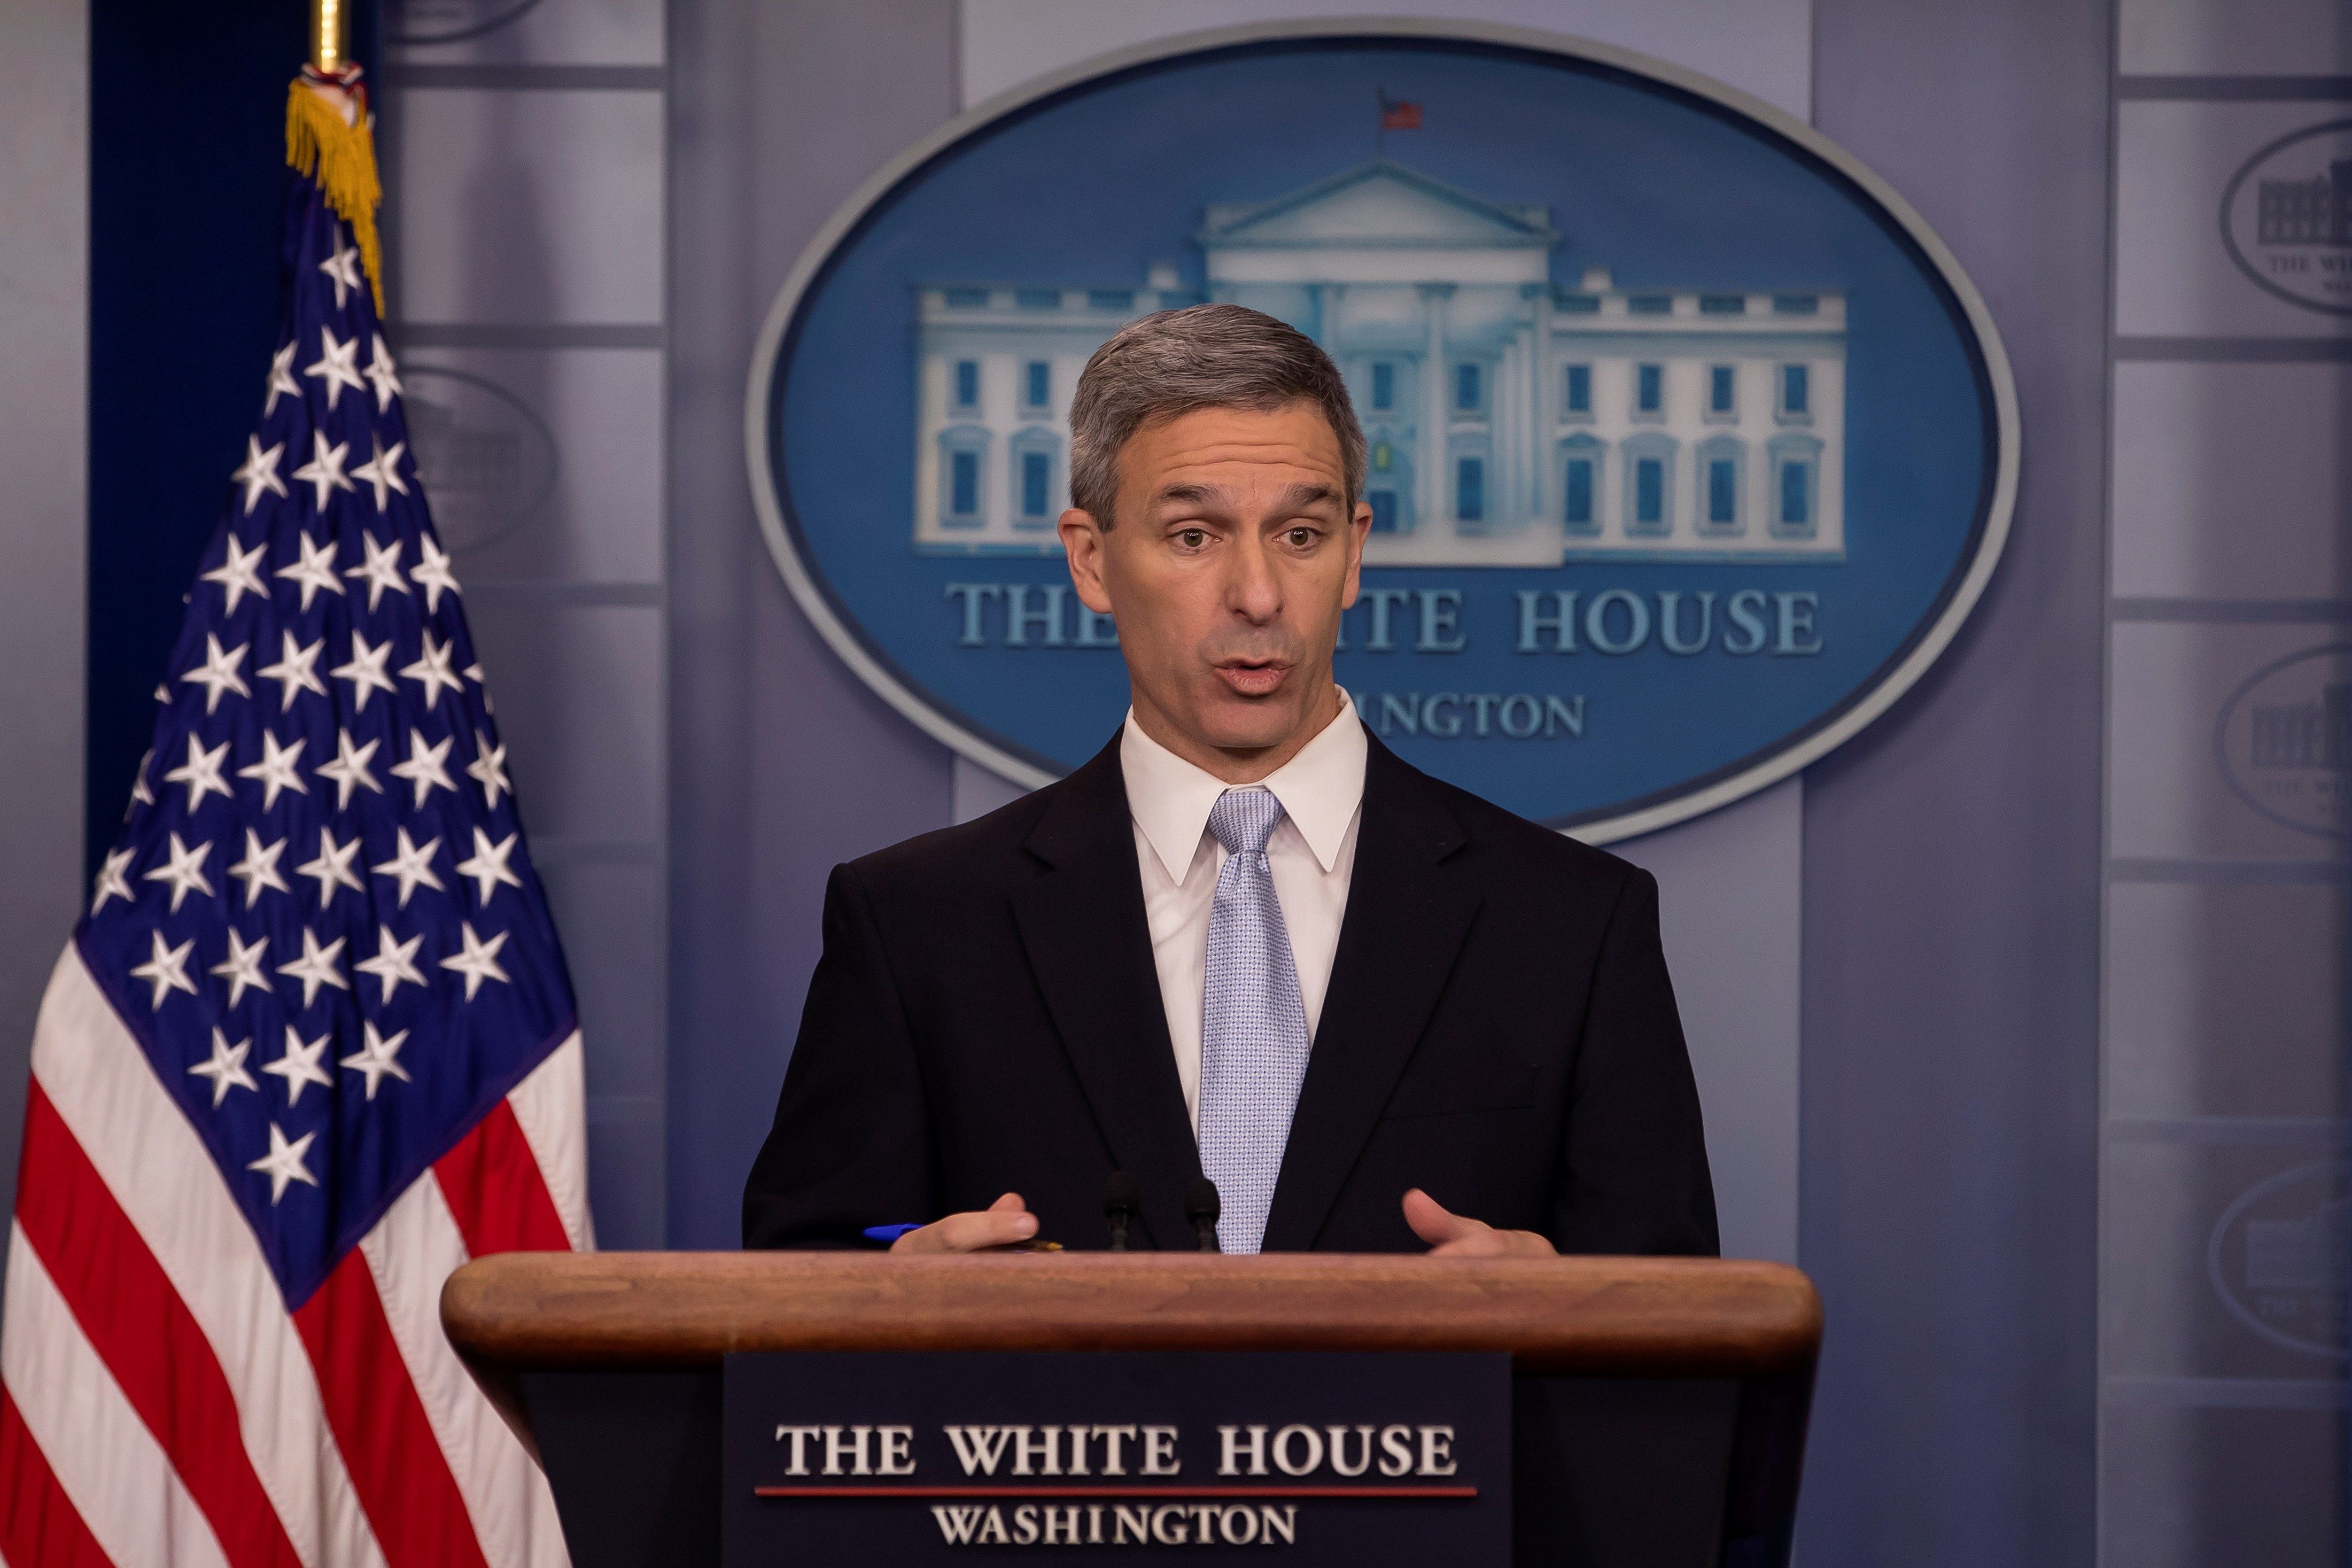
{"x":1253,"y":1040}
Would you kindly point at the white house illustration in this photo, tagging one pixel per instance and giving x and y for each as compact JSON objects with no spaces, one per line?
{"x":1512,"y":422}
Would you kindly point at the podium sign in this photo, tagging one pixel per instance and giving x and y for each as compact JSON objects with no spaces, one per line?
{"x":1341,"y":1458}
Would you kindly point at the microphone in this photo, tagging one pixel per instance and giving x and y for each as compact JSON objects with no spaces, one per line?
{"x":1122,"y":1201}
{"x":1201,"y":1208}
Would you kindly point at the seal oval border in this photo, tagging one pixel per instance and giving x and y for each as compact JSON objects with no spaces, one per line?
{"x":1889,"y":684}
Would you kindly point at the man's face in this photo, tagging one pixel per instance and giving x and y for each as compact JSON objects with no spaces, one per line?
{"x":1232,"y":555}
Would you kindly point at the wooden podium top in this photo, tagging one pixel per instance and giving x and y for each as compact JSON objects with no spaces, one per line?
{"x":1592,"y":1316}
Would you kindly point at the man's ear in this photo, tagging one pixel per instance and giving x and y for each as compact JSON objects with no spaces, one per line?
{"x":1359,"y":528}
{"x":1083,"y":542}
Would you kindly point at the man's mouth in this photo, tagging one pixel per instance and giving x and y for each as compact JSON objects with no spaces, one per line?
{"x":1253,"y":678}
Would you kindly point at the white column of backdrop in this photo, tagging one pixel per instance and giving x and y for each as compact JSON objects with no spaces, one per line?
{"x":1731,"y":883}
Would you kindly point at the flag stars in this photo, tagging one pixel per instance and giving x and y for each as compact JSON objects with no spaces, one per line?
{"x":432,"y":574}
{"x":479,"y":961}
{"x":235,"y":573}
{"x":300,"y":1065}
{"x":281,"y":381}
{"x":489,"y":766}
{"x":381,"y":473}
{"x":226,"y":1068}
{"x":185,"y":871}
{"x":380,"y":375}
{"x":432,"y":670}
{"x":258,"y":473}
{"x":259,"y":869}
{"x":324,"y":472}
{"x":315,"y":571}
{"x":166,"y":969}
{"x":218,"y":673}
{"x":365,"y":670}
{"x":295,"y":670}
{"x":112,"y":884}
{"x":350,"y":769}
{"x":411,"y":865}
{"x":381,"y":569}
{"x":283,"y":1163}
{"x":335,"y":366}
{"x":242,"y":968}
{"x":376,"y":1059}
{"x":342,"y":270}
{"x":317,"y":966}
{"x":201,"y":773}
{"x":140,"y":795}
{"x":275,"y":772}
{"x":424,"y":767}
{"x":333,"y":868}
{"x":488,"y":864}
{"x":393,"y":961}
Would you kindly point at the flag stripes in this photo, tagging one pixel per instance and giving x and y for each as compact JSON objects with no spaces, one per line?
{"x":174,"y":1411}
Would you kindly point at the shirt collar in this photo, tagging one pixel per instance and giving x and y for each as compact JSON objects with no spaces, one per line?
{"x":1320,"y":790}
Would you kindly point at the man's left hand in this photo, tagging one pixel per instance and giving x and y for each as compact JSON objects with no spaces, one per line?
{"x":1450,"y":1235}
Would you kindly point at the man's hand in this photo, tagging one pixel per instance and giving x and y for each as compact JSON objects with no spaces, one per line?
{"x":1004,"y":1222}
{"x":1450,"y":1235}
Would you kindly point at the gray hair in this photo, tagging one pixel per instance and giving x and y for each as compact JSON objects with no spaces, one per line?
{"x":1173,"y":362}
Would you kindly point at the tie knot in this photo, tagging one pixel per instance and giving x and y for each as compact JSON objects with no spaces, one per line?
{"x":1244,"y":819}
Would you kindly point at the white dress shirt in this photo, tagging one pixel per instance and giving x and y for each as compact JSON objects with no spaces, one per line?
{"x":1312,"y":853}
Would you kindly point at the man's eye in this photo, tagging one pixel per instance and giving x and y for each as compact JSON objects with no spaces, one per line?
{"x":1193,"y":538}
{"x":1300,"y":538}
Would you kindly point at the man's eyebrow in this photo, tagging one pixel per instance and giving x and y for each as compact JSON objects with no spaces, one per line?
{"x":1299,"y":498}
{"x":1189,"y":495}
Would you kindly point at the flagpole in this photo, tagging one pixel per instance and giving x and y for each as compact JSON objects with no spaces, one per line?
{"x":330,"y":36}
{"x":1380,"y":118}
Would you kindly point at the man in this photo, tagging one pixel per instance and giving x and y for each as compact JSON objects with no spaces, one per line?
{"x":1246,"y":940}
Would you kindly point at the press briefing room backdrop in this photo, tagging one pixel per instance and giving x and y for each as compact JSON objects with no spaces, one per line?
{"x":1879,"y":465}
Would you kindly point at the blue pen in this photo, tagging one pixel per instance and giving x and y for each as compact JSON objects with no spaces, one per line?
{"x":887,"y":1233}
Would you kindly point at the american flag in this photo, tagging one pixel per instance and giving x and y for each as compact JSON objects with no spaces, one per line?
{"x":312,"y":1046}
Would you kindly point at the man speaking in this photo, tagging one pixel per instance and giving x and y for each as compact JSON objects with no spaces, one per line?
{"x":1246,"y":941}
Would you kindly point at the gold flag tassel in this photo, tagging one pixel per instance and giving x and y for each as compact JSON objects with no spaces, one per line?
{"x":340,"y":155}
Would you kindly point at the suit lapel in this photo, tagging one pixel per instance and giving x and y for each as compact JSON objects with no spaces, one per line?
{"x":1408,"y":911}
{"x":1082,"y":924}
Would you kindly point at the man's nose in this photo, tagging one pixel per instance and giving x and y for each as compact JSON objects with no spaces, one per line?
{"x":1251,"y":589}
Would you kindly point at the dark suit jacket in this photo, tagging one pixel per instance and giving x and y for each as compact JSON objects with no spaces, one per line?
{"x":1499,"y":1029}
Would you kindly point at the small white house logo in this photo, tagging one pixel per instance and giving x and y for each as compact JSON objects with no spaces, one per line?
{"x":486,"y":457}
{"x":2284,"y":740}
{"x":2286,"y":217}
{"x":2277,"y":1258}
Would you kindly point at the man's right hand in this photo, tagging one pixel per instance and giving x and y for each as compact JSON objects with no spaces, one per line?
{"x":1002,"y":1222}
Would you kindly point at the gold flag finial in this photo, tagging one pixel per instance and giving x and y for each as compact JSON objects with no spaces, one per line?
{"x":329,"y":35}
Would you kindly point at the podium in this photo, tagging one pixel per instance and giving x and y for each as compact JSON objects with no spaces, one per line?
{"x":1658,"y":1405}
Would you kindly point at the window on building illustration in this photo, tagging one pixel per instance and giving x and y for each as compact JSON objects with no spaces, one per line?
{"x":963,"y":484}
{"x":1722,"y":493}
{"x":1110,"y":298}
{"x":1723,"y":304}
{"x":1574,"y":304}
{"x":1037,"y":383}
{"x":966,"y":298}
{"x":967,"y":383}
{"x":1719,"y":388}
{"x":1470,"y":489}
{"x":1650,"y":304}
{"x":1796,"y":390}
{"x":1579,"y":511}
{"x":1796,"y":304}
{"x":1577,"y":395}
{"x":1036,"y":478}
{"x":1649,"y":388}
{"x":1649,"y":491}
{"x":1038,"y":299}
{"x":1796,"y":495}
{"x":1384,"y":511}
{"x":1383,"y":385}
{"x":1465,"y":387}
